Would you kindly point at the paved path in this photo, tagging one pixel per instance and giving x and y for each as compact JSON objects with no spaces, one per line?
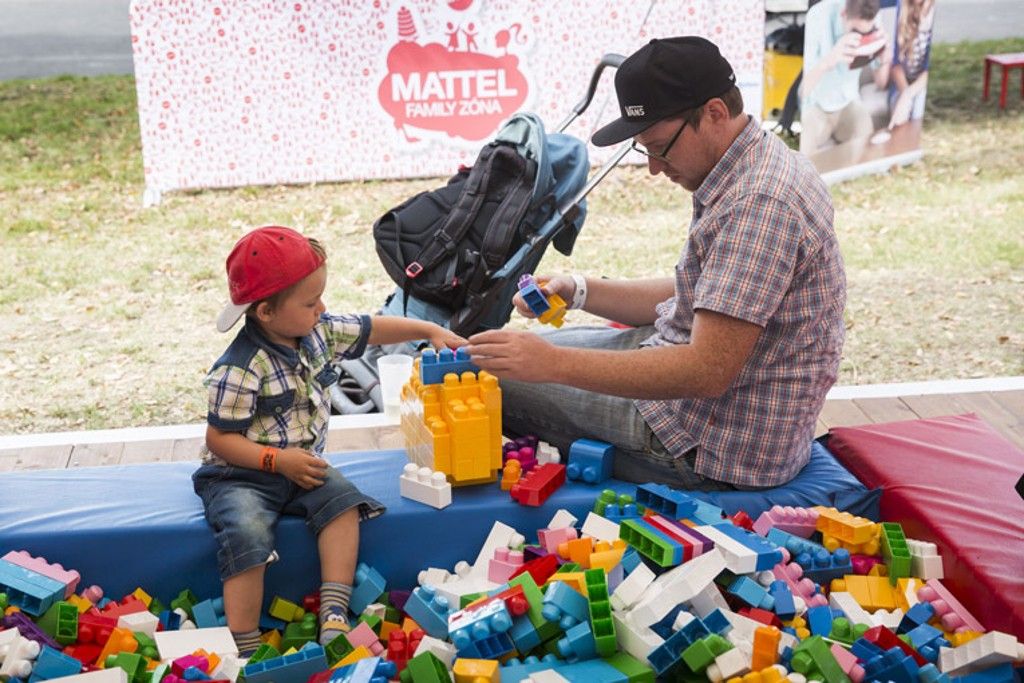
{"x":90,"y":37}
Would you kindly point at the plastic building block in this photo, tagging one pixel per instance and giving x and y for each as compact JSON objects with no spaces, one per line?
{"x":651,"y":542}
{"x":870,"y":592}
{"x":564,"y":605}
{"x":927,"y":640}
{"x":813,"y":658}
{"x":892,"y":665}
{"x":954,"y":616}
{"x":819,"y":620}
{"x":627,"y":593}
{"x":590,"y":461}
{"x":768,"y":555}
{"x":367,"y":670}
{"x":785,"y":606}
{"x":475,"y":671}
{"x":369,"y":586}
{"x":668,"y":655}
{"x":766,"y":647}
{"x":601,"y":622}
{"x":991,"y":649}
{"x":665,"y":501}
{"x":29,"y":590}
{"x":290,"y":668}
{"x":285,"y":610}
{"x":473,"y":624}
{"x":17,"y":653}
{"x":751,"y":592}
{"x":54,"y":664}
{"x":425,"y":668}
{"x":39,"y":565}
{"x":925,"y":562}
{"x":504,"y":564}
{"x":856,"y":534}
{"x":299,"y":633}
{"x":793,"y":543}
{"x":549,"y":309}
{"x":550,"y":539}
{"x":700,"y":654}
{"x":681,"y":584}
{"x":537,"y":486}
{"x":510,"y":474}
{"x":800,"y":522}
{"x":885,"y":639}
{"x":895,"y":551}
{"x":823,"y":566}
{"x":209,"y":613}
{"x":615,"y":506}
{"x":434,"y":366}
{"x":430,"y":610}
{"x":426,"y":486}
{"x":61,"y":622}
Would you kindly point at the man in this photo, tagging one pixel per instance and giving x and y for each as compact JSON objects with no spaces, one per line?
{"x":840,"y":38}
{"x":720,"y":382}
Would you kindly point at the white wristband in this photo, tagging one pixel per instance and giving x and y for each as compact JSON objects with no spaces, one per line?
{"x":579,"y":297}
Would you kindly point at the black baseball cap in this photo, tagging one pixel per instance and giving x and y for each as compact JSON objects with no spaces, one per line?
{"x":664,"y":77}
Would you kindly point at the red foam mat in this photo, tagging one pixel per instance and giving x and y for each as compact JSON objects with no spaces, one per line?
{"x":950,"y":481}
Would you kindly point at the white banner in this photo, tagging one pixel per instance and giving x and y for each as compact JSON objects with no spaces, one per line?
{"x":240,"y":92}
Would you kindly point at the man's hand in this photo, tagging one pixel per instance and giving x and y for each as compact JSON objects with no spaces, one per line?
{"x":301,"y":467}
{"x":843,"y":51}
{"x":562,"y":285}
{"x":514,"y":355}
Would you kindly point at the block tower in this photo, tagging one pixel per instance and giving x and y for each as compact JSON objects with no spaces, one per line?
{"x":451,"y":418}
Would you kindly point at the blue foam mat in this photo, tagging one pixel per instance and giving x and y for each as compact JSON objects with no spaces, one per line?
{"x":141,"y":525}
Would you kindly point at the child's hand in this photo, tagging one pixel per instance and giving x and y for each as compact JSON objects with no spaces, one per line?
{"x":301,"y":467}
{"x":443,"y":338}
{"x":562,"y":285}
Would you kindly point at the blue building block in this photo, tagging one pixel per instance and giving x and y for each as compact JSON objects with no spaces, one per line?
{"x":863,"y":649}
{"x":796,"y":545}
{"x":921,"y":613}
{"x":716,"y":622}
{"x":209,"y":613}
{"x":616,"y":513}
{"x":1001,"y":673}
{"x":30,"y":591}
{"x":590,"y":461}
{"x":892,"y":665}
{"x":751,"y":592}
{"x":785,"y":606}
{"x":470,"y":625}
{"x":665,"y":500}
{"x":564,"y":605}
{"x":516,"y":670}
{"x":492,"y":646}
{"x":170,"y":620}
{"x":819,"y":620}
{"x":929,"y":673}
{"x":53,"y":664}
{"x":927,"y":640}
{"x":532,"y":295}
{"x":591,"y":671}
{"x":524,"y":634}
{"x":296,"y":667}
{"x":630,"y":560}
{"x":368,"y":670}
{"x":369,"y":585}
{"x":668,"y":655}
{"x":822,"y":566}
{"x":429,"y":610}
{"x":663,"y":627}
{"x":768,"y":554}
{"x":578,"y":643}
{"x":434,"y":366}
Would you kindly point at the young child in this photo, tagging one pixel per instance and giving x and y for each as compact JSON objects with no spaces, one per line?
{"x":267,"y":423}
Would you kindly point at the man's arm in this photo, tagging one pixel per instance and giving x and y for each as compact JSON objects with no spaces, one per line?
{"x":630,"y":302}
{"x":706,"y":367}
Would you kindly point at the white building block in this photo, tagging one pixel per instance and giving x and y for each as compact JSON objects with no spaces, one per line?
{"x":676,"y":586}
{"x":17,"y":655}
{"x":424,"y":485}
{"x":850,"y":607}
{"x":682,"y":619}
{"x":139,"y":622}
{"x":229,"y":668}
{"x":441,"y":649}
{"x":743,"y":628}
{"x":632,"y":587}
{"x":112,"y":675}
{"x":433,"y":576}
{"x":635,"y":639}
{"x":925,"y":561}
{"x":562,"y":519}
{"x":889,"y":619}
{"x":995,"y":647}
{"x":547,"y":453}
{"x":600,"y":528}
{"x":174,"y":644}
{"x":739,"y":559}
{"x":547,"y":676}
{"x":729,"y":664}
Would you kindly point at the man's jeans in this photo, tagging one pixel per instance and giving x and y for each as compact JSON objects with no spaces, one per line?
{"x":559,"y":415}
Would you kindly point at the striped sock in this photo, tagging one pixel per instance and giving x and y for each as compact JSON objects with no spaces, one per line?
{"x":334,"y":599}
{"x":246,"y":642}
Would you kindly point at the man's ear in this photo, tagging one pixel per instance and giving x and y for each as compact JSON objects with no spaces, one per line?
{"x":717,"y":109}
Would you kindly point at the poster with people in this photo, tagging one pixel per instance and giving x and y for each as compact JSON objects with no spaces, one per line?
{"x":865,"y":77}
{"x":236,"y":92}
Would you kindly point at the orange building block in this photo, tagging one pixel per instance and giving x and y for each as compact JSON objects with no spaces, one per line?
{"x":766,"y":647}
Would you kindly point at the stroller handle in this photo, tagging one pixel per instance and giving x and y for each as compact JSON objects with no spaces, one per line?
{"x":611,"y":59}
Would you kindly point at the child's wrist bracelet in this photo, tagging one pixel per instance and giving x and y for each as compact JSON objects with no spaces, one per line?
{"x":268,"y":459}
{"x":579,"y":296}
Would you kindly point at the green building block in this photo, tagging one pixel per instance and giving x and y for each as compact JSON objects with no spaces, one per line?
{"x":845,"y":632}
{"x":631,"y":667}
{"x":372,"y":620}
{"x":158,"y":673}
{"x":601,"y":624}
{"x":156,"y":607}
{"x":60,"y":622}
{"x":132,"y":663}
{"x":465,"y":600}
{"x":648,"y":544}
{"x":813,"y":658}
{"x":337,"y":649}
{"x":185,"y":600}
{"x":298,"y":633}
{"x":895,"y":551}
{"x":285,"y":610}
{"x":702,"y":652}
{"x":535,"y":599}
{"x":425,"y":668}
{"x":264,"y":651}
{"x":147,"y":646}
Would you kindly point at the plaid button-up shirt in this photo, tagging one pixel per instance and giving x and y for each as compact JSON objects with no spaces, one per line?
{"x":761,"y":248}
{"x":279,"y":396}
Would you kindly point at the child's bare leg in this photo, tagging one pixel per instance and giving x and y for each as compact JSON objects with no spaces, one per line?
{"x":243,"y":597}
{"x":339,"y":547}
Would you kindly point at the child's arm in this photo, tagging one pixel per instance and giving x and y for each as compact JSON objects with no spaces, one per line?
{"x":388,"y":329}
{"x":298,"y":465}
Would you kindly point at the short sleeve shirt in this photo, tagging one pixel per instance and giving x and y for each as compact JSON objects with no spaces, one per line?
{"x":276,"y":395}
{"x":840,"y":85}
{"x":761,"y":248}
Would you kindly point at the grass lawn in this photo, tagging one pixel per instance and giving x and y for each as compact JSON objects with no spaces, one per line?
{"x":107,"y":308}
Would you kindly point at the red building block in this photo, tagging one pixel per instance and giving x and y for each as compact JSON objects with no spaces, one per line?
{"x":536,"y":486}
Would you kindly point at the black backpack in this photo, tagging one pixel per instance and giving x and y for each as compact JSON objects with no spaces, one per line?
{"x":456,"y":252}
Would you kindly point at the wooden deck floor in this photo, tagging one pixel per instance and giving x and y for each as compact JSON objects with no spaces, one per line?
{"x":1003,"y":409}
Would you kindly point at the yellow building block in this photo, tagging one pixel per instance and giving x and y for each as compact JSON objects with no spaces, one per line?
{"x":843,"y":530}
{"x":577,"y":550}
{"x":272,"y":638}
{"x":871,"y":592}
{"x":121,"y":640}
{"x":360,"y":652}
{"x":572,"y":579}
{"x":470,"y":431}
{"x":770,"y":674}
{"x":142,"y":595}
{"x":80,"y":603}
{"x":607,"y":555}
{"x":476,"y":671}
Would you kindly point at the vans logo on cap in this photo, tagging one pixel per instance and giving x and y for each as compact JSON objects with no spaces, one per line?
{"x":634,"y":110}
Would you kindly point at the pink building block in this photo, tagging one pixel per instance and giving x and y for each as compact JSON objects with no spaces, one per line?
{"x":798,"y":584}
{"x":39,"y":565}
{"x":800,"y":522}
{"x":848,"y":662}
{"x":526,"y":457}
{"x":362,"y":634}
{"x":954,"y":615}
{"x":550,"y":539}
{"x":504,"y":564}
{"x":862,"y":564}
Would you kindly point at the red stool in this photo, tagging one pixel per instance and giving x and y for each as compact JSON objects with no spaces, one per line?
{"x":1006,"y":61}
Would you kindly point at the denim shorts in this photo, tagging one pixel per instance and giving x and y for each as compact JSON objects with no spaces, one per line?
{"x":243,"y":506}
